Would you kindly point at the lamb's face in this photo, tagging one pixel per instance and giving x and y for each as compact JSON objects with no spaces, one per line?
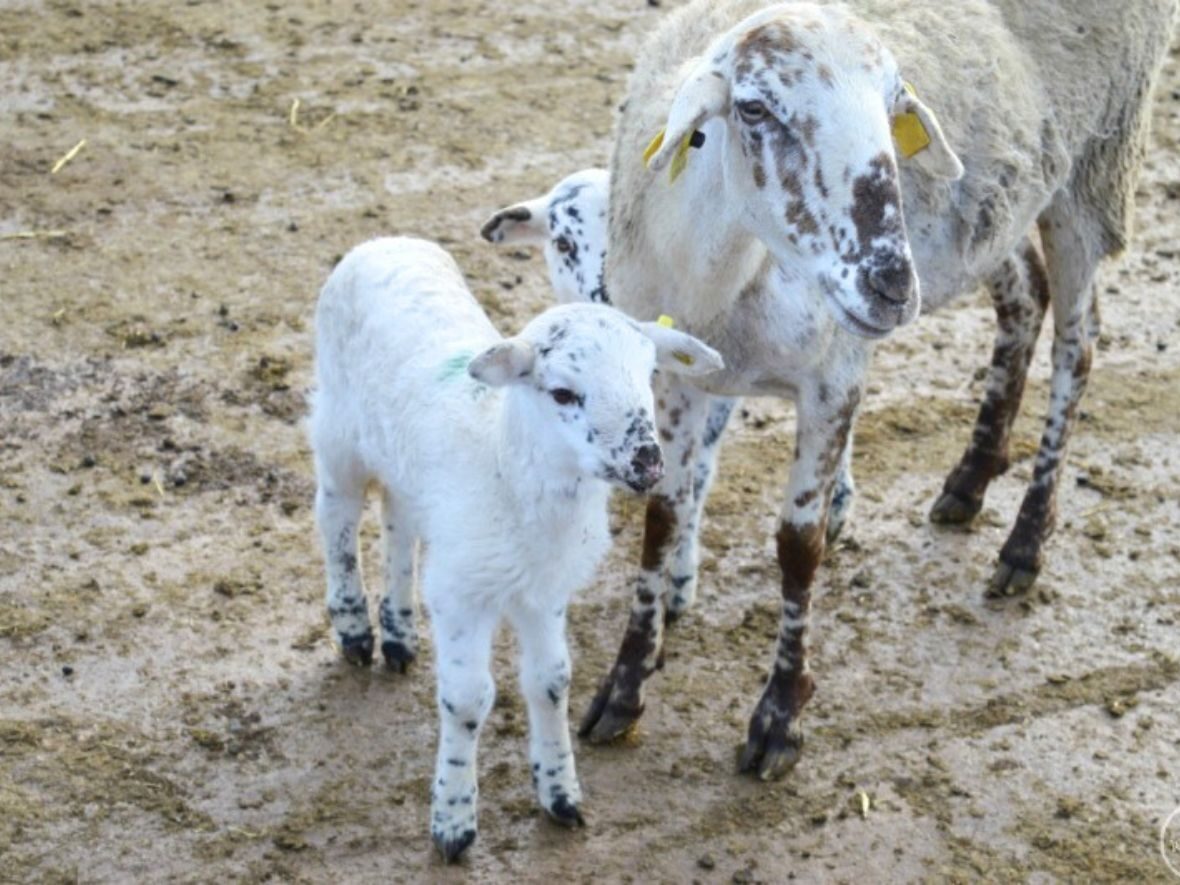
{"x":806,"y":98}
{"x":592,"y":384}
{"x":569,"y":223}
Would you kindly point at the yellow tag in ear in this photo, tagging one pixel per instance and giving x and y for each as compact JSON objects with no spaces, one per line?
{"x":653,"y":146}
{"x":909,"y":133}
{"x":668,"y":323}
{"x":679,"y":159}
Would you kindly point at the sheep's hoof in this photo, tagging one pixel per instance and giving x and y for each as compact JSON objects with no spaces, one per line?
{"x":452,"y":847}
{"x":1010,"y":580}
{"x":770,"y":757}
{"x":608,"y":718}
{"x":565,"y":812}
{"x":397,"y":656}
{"x":952,"y":509}
{"x":357,"y":649}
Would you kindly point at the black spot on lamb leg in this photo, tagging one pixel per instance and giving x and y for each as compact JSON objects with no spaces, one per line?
{"x":358,"y":648}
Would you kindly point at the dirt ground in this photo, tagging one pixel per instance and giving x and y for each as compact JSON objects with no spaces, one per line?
{"x":171,"y":705}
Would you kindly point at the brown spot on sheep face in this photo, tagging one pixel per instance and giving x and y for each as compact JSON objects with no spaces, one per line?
{"x":884,"y":270}
{"x":766,"y":47}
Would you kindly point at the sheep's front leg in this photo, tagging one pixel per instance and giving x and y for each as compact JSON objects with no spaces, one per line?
{"x":338,"y":514}
{"x":775,"y":739}
{"x":1073,"y":248}
{"x":545,"y":682}
{"x":683,"y":576}
{"x":463,"y":645}
{"x":399,"y":633}
{"x":683,"y":411}
{"x":1020,"y":292}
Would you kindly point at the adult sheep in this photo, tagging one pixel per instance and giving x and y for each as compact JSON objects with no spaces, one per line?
{"x":782,"y":144}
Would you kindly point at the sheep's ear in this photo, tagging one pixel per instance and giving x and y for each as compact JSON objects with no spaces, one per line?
{"x":680,"y":353}
{"x":703,"y":95}
{"x":919,"y":138}
{"x":503,"y":363}
{"x":526,"y":222}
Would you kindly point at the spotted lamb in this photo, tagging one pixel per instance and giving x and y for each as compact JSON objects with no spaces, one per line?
{"x":762,"y":161}
{"x":496,"y":453}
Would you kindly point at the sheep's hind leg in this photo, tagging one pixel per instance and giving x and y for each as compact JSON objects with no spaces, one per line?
{"x":1020,"y":292}
{"x":545,"y":682}
{"x":619,"y":700}
{"x":463,"y":646}
{"x":682,"y":574}
{"x":399,"y":632}
{"x":338,"y":514}
{"x":774,"y":739}
{"x":1072,"y":253}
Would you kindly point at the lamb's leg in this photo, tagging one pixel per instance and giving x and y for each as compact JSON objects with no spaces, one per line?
{"x":463,"y":648}
{"x":683,"y":411}
{"x":338,"y":511}
{"x":399,"y":634}
{"x":1072,"y":253}
{"x":545,"y":682}
{"x":1020,"y":292}
{"x":775,"y":738}
{"x":682,"y":577}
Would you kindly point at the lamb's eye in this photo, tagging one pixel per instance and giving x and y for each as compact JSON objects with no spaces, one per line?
{"x":752,"y":112}
{"x":563,"y":396}
{"x":563,"y":244}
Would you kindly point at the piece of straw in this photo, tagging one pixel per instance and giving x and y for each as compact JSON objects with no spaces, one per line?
{"x":70,"y":154}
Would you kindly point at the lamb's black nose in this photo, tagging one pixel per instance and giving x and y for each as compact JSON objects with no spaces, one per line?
{"x":648,"y":464}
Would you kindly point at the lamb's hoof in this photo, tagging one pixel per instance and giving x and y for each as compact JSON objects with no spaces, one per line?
{"x":608,"y":717}
{"x":951,"y":509}
{"x":452,"y":847}
{"x":1010,"y":580}
{"x":357,"y":649}
{"x":397,"y":656}
{"x":832,"y":532}
{"x":672,"y":615}
{"x":565,"y":813}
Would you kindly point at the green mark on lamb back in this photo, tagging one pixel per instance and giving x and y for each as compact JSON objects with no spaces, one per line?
{"x":456,"y":366}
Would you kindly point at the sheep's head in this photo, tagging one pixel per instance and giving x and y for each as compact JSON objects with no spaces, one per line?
{"x":570,"y":223}
{"x":811,"y":117}
{"x":582,"y":375}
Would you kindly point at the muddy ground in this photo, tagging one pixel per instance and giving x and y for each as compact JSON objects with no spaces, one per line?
{"x":171,"y":706}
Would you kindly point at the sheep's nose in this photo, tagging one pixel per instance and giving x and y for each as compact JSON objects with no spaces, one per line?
{"x":892,"y":281}
{"x":648,"y":463}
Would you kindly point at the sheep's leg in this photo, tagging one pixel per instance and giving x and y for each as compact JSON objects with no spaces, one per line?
{"x":775,"y":739}
{"x":463,"y":645}
{"x":1020,"y":292}
{"x":545,"y":682}
{"x":683,"y":411}
{"x":682,"y":575}
{"x":1072,"y":253}
{"x":338,"y":512}
{"x":399,"y":633}
{"x":843,"y":494}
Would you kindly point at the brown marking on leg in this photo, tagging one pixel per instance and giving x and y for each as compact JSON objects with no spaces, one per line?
{"x":1020,"y":292}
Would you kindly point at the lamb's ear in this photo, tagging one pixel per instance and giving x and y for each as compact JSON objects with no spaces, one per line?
{"x":681,"y":353}
{"x":503,"y":363}
{"x":919,"y":138}
{"x":703,"y":95}
{"x":526,"y":222}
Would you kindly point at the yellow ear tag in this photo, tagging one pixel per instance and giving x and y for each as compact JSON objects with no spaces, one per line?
{"x":668,"y":323}
{"x":679,"y":159}
{"x":908,"y":132}
{"x":653,"y":146}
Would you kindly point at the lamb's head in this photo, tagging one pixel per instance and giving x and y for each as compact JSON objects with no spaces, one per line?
{"x":809,"y":114}
{"x":570,"y":223}
{"x":580,"y":376}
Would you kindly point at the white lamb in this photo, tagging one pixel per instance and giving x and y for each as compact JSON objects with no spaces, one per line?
{"x":763,"y":159}
{"x":497,"y":454}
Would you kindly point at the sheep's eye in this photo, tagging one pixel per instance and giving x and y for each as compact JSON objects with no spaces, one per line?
{"x":563,"y":396}
{"x":752,"y":112}
{"x":563,"y":244}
